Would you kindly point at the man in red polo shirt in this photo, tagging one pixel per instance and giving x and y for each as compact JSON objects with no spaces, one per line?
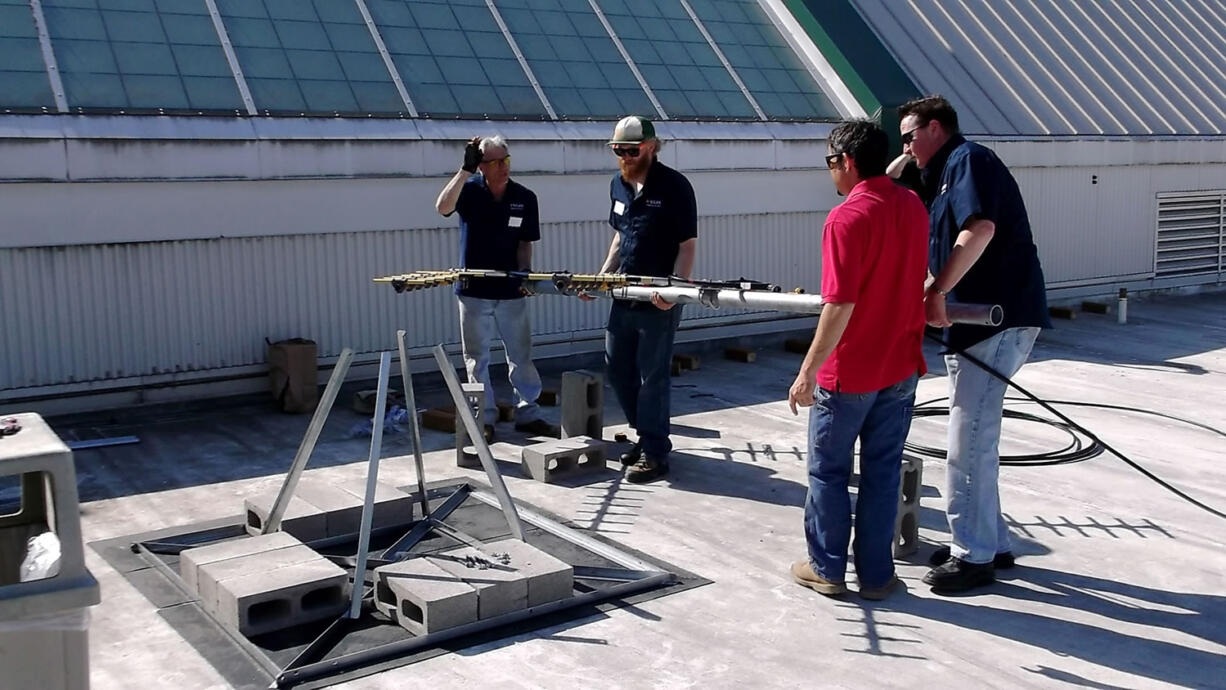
{"x":860,"y":372}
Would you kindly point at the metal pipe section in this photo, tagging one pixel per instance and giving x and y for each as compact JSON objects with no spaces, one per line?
{"x":969,"y":314}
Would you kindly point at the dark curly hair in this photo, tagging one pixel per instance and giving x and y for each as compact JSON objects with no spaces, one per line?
{"x":865,"y":142}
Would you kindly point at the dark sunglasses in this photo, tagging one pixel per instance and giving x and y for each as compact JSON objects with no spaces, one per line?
{"x":832,"y":161}
{"x":626,"y":151}
{"x":908,"y":136}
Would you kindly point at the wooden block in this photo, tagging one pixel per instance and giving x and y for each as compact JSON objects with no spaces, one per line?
{"x":796,"y":346}
{"x":689,"y":362}
{"x":740,"y":354}
{"x":364,"y":402}
{"x":1062,"y":313}
{"x":548,"y":397}
{"x":506,"y":411}
{"x":439,"y":419}
{"x":1095,"y":307}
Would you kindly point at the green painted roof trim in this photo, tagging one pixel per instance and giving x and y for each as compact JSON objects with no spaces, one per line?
{"x":855,"y":53}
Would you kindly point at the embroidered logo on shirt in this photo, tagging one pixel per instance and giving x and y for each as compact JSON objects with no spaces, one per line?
{"x":655,"y":203}
{"x":516,"y":207}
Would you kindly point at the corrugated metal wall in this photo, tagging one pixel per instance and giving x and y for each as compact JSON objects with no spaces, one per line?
{"x":117,"y":311}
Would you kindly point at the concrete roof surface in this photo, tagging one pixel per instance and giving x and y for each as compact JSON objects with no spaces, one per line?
{"x":1118,"y":584}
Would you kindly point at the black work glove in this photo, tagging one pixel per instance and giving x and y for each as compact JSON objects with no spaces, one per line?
{"x":472,"y":155}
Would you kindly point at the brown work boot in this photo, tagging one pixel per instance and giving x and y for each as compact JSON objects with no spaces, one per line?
{"x":803,"y":573}
{"x":488,"y":433}
{"x":879,"y":593}
{"x":539,"y":427}
{"x":648,"y":469}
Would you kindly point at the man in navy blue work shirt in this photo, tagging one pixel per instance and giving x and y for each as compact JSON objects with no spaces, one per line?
{"x":498,"y":224}
{"x":980,"y":251}
{"x":656,"y":221}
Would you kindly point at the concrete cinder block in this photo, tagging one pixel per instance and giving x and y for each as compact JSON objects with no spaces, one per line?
{"x":301,"y":519}
{"x":549,"y":460}
{"x":906,"y":524}
{"x":500,"y":588}
{"x":391,"y":507}
{"x":549,"y":578}
{"x":422,"y":597}
{"x":582,"y":404}
{"x":342,"y":509}
{"x":474,"y":395}
{"x":284,"y":597}
{"x":190,"y":560}
{"x":210,"y":574}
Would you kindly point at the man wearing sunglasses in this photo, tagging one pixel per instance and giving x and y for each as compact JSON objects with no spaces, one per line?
{"x":655,"y":222}
{"x":860,"y":372}
{"x":981,"y":251}
{"x":498,"y":224}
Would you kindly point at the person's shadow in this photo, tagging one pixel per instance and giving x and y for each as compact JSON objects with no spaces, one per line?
{"x":1122,"y":643}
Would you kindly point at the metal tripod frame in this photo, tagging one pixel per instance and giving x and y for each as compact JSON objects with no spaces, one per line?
{"x":633,"y":576}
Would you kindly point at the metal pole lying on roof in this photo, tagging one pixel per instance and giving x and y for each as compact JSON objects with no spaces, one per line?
{"x":273,"y":523}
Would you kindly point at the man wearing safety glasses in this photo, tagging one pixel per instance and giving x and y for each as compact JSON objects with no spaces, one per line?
{"x":498,"y":224}
{"x":655,"y":219}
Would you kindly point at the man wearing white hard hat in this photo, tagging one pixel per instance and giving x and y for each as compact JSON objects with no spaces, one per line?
{"x":655,"y":222}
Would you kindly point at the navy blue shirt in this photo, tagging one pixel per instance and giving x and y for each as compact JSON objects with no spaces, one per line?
{"x":653,"y":224}
{"x":490,"y":233}
{"x":963,"y":180}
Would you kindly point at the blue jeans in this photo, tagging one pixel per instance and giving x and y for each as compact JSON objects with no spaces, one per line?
{"x":881,"y":421}
{"x":638,"y":350}
{"x":479,"y":318}
{"x":976,"y":402}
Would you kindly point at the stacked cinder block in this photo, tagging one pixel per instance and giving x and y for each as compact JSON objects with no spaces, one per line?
{"x":550,"y":460}
{"x":474,"y":396}
{"x":422,"y":597}
{"x":265,"y":583}
{"x":435,"y":592}
{"x":906,"y":525}
{"x":327,"y":509}
{"x":582,"y":404}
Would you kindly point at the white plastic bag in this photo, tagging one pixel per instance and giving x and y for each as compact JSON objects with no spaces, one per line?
{"x":42,"y":557}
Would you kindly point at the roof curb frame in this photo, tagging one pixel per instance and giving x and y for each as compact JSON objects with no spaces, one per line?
{"x":852,"y":99}
{"x":604,"y":21}
{"x":53,"y":69}
{"x":523,"y":62}
{"x":387,"y":57}
{"x":702,"y":28}
{"x":231,"y":57}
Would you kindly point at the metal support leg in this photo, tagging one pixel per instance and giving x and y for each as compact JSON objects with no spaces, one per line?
{"x":410,"y":402}
{"x":483,"y":450}
{"x":372,"y":477}
{"x":273,"y":523}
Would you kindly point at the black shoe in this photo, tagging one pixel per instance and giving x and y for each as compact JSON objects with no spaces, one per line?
{"x":633,"y":455}
{"x":539,"y":427}
{"x":647,"y":470}
{"x":956,"y":575}
{"x":1002,"y":561}
{"x":488,"y":433}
